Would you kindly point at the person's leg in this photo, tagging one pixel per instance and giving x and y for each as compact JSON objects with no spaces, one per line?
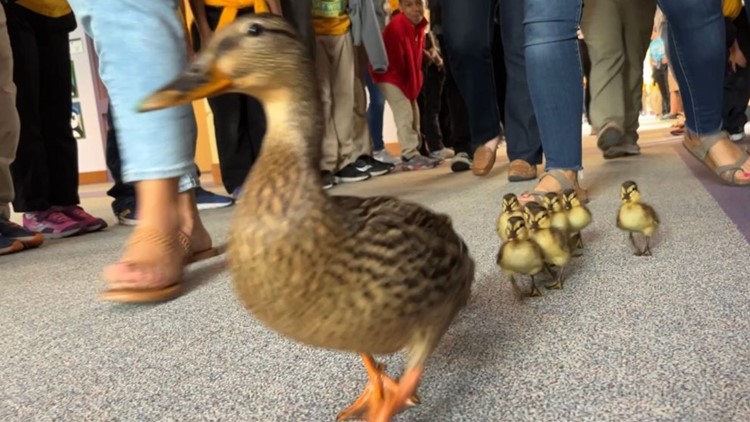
{"x":232,"y":145}
{"x":323,"y":63}
{"x":638,"y":18}
{"x":467,"y":32}
{"x":403,"y":114}
{"x":157,"y":148}
{"x":342,"y":94}
{"x":586,"y":67}
{"x":9,"y":122}
{"x":553,"y":69}
{"x":432,"y":91}
{"x":660,"y":77}
{"x":698,"y":55}
{"x":603,"y":29}
{"x":361,"y":138}
{"x":521,"y":129}
{"x":375,"y":110}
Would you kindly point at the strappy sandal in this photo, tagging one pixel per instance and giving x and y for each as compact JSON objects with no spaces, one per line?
{"x":699,"y":147}
{"x":152,"y":258}
{"x":558,"y":175}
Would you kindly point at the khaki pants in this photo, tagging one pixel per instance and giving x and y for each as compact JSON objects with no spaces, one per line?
{"x":617,"y":34}
{"x":361,"y":138}
{"x":406,"y":115}
{"x":9,"y":124}
{"x":334,"y":60}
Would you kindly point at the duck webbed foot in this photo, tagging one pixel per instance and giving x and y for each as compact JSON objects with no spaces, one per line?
{"x":558,"y":284}
{"x":647,"y":250}
{"x":378,"y":396}
{"x":534,"y":290}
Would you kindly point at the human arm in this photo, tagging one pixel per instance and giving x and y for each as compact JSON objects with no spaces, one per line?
{"x":198,"y":8}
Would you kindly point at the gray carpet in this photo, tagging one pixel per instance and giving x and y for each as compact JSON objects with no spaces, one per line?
{"x":628,"y":339}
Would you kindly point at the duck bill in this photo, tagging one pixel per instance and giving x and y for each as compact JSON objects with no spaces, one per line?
{"x":188,"y":87}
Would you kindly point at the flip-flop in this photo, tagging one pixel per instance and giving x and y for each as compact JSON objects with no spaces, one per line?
{"x":558,"y":175}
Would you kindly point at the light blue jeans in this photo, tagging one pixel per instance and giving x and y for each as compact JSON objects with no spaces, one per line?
{"x":141,"y":47}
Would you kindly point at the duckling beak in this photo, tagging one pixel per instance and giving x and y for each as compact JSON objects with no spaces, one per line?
{"x":192,"y":85}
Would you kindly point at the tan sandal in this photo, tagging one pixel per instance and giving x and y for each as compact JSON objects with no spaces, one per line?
{"x":150,"y":270}
{"x":699,"y":147}
{"x":563,"y":181}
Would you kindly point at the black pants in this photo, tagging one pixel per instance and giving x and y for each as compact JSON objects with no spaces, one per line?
{"x":458,"y":135}
{"x":737,"y":84}
{"x":661,"y":78}
{"x":586,"y":67}
{"x":430,"y":102}
{"x":45,"y":172}
{"x":239,"y":123}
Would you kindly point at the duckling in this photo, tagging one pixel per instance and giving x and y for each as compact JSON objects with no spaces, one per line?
{"x":554,"y":205}
{"x":636,"y":217}
{"x":579,"y":216}
{"x":520,"y":255}
{"x":511,"y":208}
{"x":371,"y":275}
{"x":552,"y":241}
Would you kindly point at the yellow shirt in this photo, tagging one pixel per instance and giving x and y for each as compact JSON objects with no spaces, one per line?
{"x":394,"y":4}
{"x":50,"y":8}
{"x":732,"y":8}
{"x":330,"y":17}
{"x":231,"y":7}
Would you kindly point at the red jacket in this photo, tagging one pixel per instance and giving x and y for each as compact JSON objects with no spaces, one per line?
{"x":404,"y":43}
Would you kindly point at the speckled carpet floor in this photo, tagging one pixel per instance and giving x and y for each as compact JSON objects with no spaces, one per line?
{"x":628,"y":339}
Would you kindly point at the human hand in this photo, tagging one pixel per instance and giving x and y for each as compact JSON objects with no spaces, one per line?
{"x":736,"y":58}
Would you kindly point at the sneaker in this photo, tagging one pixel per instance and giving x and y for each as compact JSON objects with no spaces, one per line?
{"x":8,"y":245}
{"x":385,"y":157}
{"x":51,"y":223}
{"x":350,"y":173}
{"x":419,"y":162}
{"x":13,"y":231}
{"x":89,"y":223}
{"x":461,"y":162}
{"x":125,"y":211}
{"x":443,"y":154}
{"x":207,"y":200}
{"x":367,"y":164}
{"x":237,"y":193}
{"x":737,"y":136}
{"x":328,"y":179}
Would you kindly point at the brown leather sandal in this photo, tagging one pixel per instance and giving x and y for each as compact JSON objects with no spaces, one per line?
{"x":150,"y":269}
{"x":564,"y":183}
{"x":699,"y":147}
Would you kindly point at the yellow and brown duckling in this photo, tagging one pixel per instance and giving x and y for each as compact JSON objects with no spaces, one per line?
{"x":510,"y":208}
{"x":579,"y":216}
{"x":554,"y":204}
{"x":519,"y":255}
{"x":554,"y":243}
{"x":635,"y":216}
{"x":366,"y":275}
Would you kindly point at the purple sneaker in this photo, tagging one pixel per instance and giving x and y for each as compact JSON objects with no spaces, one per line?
{"x":51,"y":223}
{"x":88,"y":222}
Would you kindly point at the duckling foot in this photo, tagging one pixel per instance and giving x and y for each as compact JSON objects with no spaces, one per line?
{"x":558,"y":285}
{"x":535,"y":292}
{"x":380,"y":390}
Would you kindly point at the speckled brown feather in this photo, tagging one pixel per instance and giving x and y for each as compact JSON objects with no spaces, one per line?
{"x":371,"y":275}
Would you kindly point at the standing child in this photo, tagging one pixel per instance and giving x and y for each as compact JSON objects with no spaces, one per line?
{"x":404,"y":39}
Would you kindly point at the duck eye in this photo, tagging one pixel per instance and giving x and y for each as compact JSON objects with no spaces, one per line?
{"x":254,"y":30}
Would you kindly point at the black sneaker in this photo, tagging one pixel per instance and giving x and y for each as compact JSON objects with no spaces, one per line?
{"x":367,"y":164}
{"x":328,"y":179}
{"x":350,"y":173}
{"x":461,"y":162}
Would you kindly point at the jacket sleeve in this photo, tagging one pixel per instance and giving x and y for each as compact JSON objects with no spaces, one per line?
{"x":372,"y":37}
{"x":396,"y":54}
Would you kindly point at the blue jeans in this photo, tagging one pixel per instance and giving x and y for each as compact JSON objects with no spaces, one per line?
{"x":375,"y":110}
{"x":141,"y":47}
{"x":521,"y":129}
{"x":553,"y":69}
{"x":697,"y":54}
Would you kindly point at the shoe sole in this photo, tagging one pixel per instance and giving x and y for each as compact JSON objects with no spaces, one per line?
{"x":213,"y":206}
{"x":608,"y":138}
{"x":352,"y":179}
{"x":61,"y":235}
{"x":14,"y":247}
{"x":460,"y":166}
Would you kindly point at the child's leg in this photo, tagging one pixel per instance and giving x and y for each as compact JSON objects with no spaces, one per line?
{"x":342,"y":86}
{"x":404,"y":115}
{"x":329,"y":160}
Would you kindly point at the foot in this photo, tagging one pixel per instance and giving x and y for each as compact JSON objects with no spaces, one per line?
{"x":201,"y":245}
{"x":9,"y":246}
{"x":549,"y":183}
{"x":88,"y":222}
{"x":350,"y":174}
{"x":461,"y":162}
{"x":372,"y":166}
{"x":207,"y":200}
{"x":535,"y":292}
{"x":484,"y":158}
{"x":722,"y":154}
{"x":380,"y":390}
{"x":151,"y":268}
{"x":385,"y":157}
{"x":520,"y":170}
{"x":51,"y":223}
{"x":419,"y":162}
{"x":14,"y":232}
{"x":609,"y":136}
{"x":329,"y":180}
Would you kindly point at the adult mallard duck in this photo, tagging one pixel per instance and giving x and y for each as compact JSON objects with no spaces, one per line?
{"x":367,"y":275}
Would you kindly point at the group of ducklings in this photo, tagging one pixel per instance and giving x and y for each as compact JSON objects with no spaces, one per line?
{"x":538,"y":237}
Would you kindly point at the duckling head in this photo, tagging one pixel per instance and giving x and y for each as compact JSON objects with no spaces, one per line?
{"x":552,"y":202}
{"x":629,"y":192}
{"x":516,"y":229}
{"x":570,"y":199}
{"x":537,"y":218}
{"x":510,"y":203}
{"x":253,"y":55}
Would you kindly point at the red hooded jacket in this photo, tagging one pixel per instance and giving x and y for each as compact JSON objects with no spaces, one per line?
{"x":404,"y":43}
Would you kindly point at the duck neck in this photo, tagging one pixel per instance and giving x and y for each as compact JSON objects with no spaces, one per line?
{"x":288,"y":168}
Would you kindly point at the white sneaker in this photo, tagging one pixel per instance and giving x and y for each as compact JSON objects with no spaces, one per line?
{"x":443,"y":154}
{"x":736,"y":137}
{"x":385,"y":157}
